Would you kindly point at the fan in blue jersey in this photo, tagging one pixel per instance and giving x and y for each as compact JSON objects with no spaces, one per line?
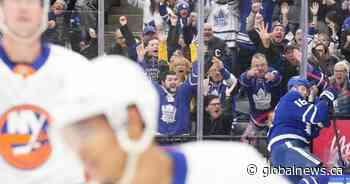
{"x":296,"y":123}
{"x":221,"y":83}
{"x":112,"y":132}
{"x":174,"y":111}
{"x":262,"y":84}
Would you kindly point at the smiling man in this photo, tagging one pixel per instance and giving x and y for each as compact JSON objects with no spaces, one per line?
{"x":175,"y":98}
{"x":271,"y":44}
{"x":112,"y":131}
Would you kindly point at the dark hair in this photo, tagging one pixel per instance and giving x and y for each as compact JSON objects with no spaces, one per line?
{"x":289,"y":47}
{"x":208,"y":99}
{"x":290,"y":2}
{"x":313,"y":50}
{"x":163,"y":75}
{"x":334,"y":17}
{"x":146,"y":43}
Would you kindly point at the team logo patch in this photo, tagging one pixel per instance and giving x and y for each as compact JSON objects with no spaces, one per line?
{"x":23,"y":70}
{"x":24,"y":137}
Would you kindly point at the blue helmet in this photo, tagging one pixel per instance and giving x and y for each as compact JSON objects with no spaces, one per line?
{"x":298,"y":81}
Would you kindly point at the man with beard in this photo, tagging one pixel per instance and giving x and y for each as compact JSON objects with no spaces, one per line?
{"x":112,"y":133}
{"x":271,"y":44}
{"x":175,"y":98}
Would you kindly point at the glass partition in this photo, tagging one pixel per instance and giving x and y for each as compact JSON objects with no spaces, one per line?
{"x":75,"y":26}
{"x":222,"y":66}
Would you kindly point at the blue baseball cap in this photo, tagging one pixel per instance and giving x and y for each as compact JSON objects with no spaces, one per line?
{"x":149,"y":29}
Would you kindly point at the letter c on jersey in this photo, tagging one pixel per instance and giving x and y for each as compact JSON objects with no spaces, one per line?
{"x":24,"y":140}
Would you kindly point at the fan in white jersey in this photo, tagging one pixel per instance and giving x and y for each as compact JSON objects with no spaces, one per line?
{"x":33,"y":75}
{"x":111,"y":123}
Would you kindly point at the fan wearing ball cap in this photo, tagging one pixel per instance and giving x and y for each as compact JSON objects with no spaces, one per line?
{"x":296,"y":123}
{"x":112,"y":127}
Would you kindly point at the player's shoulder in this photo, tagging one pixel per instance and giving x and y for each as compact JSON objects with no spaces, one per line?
{"x":229,"y":160}
{"x":115,"y":60}
{"x":117,"y":66}
{"x":206,"y":148}
{"x":123,"y":72}
{"x":291,"y":96}
{"x":65,"y":55}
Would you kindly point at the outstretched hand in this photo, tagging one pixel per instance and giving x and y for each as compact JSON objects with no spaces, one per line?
{"x":314,"y":8}
{"x":263,"y":32}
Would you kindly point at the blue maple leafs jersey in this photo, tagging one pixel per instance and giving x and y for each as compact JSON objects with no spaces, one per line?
{"x":262,"y":94}
{"x":295,"y":118}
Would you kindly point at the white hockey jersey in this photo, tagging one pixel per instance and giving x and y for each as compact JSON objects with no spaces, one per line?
{"x":148,"y":16}
{"x":27,"y":156}
{"x":220,"y":163}
{"x":225,"y":20}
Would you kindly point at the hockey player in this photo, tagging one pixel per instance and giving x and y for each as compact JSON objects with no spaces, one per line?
{"x":32,"y":75}
{"x":112,"y":131}
{"x":295,"y":124}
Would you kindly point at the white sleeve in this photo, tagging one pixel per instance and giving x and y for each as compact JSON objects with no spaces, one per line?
{"x":232,"y":81}
{"x":137,"y":3}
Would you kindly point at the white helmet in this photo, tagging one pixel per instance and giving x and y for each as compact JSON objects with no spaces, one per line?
{"x":109,"y":86}
{"x":43,"y":26}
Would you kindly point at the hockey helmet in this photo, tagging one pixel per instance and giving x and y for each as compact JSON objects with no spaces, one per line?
{"x":298,"y":81}
{"x":103,"y":89}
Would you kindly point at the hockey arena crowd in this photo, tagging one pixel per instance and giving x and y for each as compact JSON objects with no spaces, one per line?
{"x":253,"y":48}
{"x":243,"y":39}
